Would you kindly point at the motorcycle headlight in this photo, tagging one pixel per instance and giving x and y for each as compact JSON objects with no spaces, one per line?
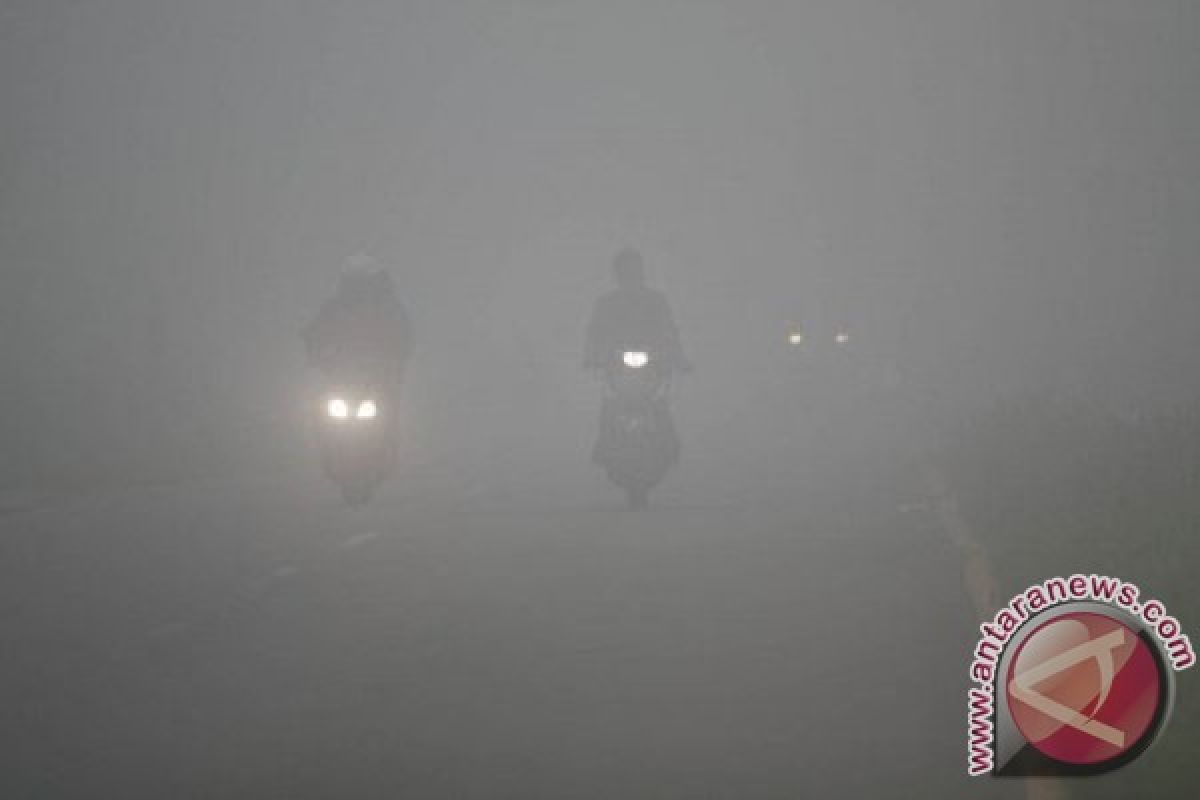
{"x":366,"y":410}
{"x":337,"y":408}
{"x":635,"y":359}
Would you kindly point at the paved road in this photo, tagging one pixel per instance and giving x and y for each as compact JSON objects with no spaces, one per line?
{"x":259,"y":641}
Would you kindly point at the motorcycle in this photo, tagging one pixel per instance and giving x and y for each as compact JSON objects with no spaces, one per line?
{"x":637,"y":442}
{"x":356,"y":429}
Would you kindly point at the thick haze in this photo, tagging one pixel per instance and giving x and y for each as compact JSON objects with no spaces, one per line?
{"x":1001,"y":198}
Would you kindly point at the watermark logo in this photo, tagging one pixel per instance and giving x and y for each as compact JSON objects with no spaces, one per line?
{"x":1073,"y":677}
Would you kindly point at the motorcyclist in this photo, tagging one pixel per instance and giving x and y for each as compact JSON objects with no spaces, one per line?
{"x":364,"y":320}
{"x":633,"y":316}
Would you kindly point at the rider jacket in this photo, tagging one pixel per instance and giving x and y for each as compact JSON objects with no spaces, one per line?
{"x":632,"y":318}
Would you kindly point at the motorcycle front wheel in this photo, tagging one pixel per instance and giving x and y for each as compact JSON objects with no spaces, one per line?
{"x":638,"y":497}
{"x":357,"y":493}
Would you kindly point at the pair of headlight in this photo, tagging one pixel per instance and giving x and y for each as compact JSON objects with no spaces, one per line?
{"x":338,"y":408}
{"x":796,"y":337}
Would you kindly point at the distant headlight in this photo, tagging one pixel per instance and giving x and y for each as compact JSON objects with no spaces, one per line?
{"x":366,"y":410}
{"x":795,"y":338}
{"x":635,"y":359}
{"x":337,"y":408}
{"x":842,"y":337}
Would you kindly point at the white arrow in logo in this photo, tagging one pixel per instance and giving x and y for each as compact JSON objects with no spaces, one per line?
{"x":1101,"y":649}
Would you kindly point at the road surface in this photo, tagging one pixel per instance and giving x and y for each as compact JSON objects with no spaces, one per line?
{"x":258,"y":640}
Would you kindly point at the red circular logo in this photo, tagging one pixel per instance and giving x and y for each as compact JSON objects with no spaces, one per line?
{"x":1084,"y":688}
